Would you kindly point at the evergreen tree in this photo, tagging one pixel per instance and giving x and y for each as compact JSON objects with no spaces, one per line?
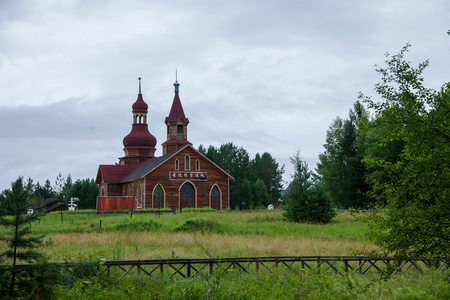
{"x":307,"y":199}
{"x":247,"y":194}
{"x":236,"y":162}
{"x":87,"y":191}
{"x":261,"y":197}
{"x":21,"y":244}
{"x":266,"y":168}
{"x":48,"y":187}
{"x":341,"y":168}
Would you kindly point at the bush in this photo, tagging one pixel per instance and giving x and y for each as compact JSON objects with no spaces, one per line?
{"x":193,"y":225}
{"x":83,"y":267}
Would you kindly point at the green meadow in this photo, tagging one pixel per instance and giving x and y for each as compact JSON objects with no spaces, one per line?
{"x":189,"y":234}
{"x":88,"y":239}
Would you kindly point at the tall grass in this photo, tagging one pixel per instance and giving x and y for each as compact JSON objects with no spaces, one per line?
{"x":212,"y":234}
{"x":197,"y":234}
{"x":263,"y":285}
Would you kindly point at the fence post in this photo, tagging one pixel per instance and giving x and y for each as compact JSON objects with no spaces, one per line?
{"x":211,"y":267}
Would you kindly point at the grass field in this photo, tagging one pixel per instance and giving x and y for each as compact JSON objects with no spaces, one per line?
{"x":85,"y":239}
{"x":197,"y":235}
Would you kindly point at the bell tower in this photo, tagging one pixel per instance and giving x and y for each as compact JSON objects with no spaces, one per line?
{"x":176,"y":124}
{"x":139,"y":144}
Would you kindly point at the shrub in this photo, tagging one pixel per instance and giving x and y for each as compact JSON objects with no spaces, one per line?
{"x":193,"y":225}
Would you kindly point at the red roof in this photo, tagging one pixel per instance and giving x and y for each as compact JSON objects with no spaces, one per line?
{"x":113,"y":173}
{"x":140,"y":105}
{"x":139,"y":137}
{"x":126,"y":173}
{"x":177,"y":142}
{"x":176,"y":112}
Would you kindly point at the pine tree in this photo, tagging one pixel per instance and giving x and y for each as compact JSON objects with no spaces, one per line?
{"x":307,"y":199}
{"x":21,"y":245}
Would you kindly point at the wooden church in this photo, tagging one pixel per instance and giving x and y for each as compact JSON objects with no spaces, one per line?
{"x":180,"y":178}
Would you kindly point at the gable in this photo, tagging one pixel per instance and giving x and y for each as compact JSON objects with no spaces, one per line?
{"x":152,"y":164}
{"x":113,"y":173}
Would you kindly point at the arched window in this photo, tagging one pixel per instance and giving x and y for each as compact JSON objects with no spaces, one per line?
{"x":215,"y":197}
{"x":186,"y":162}
{"x":197,"y":165}
{"x":187,"y":195}
{"x":158,"y":197}
{"x":176,"y":164}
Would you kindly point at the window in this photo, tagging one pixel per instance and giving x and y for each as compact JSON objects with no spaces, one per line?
{"x":215,"y":198}
{"x":176,"y":164}
{"x":180,"y":129}
{"x":158,"y":197}
{"x":187,"y":195}
{"x":197,"y":165}
{"x":186,"y":162}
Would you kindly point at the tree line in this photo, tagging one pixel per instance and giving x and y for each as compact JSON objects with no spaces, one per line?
{"x":63,"y":188}
{"x":257,"y":182}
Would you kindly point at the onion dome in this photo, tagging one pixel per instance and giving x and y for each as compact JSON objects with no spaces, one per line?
{"x":140,"y":105}
{"x":139,"y":137}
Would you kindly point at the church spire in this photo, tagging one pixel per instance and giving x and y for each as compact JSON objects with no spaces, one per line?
{"x":176,"y":123}
{"x":139,"y":85}
{"x":176,"y":84}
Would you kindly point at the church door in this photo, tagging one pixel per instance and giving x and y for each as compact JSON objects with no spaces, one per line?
{"x":158,"y":197}
{"x":215,"y":198}
{"x":187,"y":195}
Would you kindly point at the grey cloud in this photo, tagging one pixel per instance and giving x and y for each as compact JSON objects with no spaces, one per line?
{"x":265,"y":75}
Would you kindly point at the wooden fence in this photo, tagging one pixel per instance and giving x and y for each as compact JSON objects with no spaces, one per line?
{"x":326,"y":264}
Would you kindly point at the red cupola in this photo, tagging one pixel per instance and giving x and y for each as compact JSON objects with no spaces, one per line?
{"x":139,"y":144}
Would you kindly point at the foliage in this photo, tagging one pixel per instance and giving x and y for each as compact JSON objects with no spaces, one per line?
{"x":236,"y":162}
{"x":87,"y":191}
{"x":201,"y":225}
{"x":263,"y":285}
{"x":264,"y":167}
{"x":84,"y":189}
{"x":370,"y":138}
{"x":307,"y":199}
{"x":83,"y":267}
{"x":21,"y":245}
{"x":261,"y":198}
{"x":246,"y":173}
{"x":416,"y":220}
{"x":340,"y":166}
{"x":138,"y":226}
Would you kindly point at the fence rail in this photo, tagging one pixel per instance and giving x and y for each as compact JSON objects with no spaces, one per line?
{"x":327,"y":264}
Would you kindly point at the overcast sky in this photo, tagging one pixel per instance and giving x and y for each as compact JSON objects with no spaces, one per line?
{"x":269,"y":76}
